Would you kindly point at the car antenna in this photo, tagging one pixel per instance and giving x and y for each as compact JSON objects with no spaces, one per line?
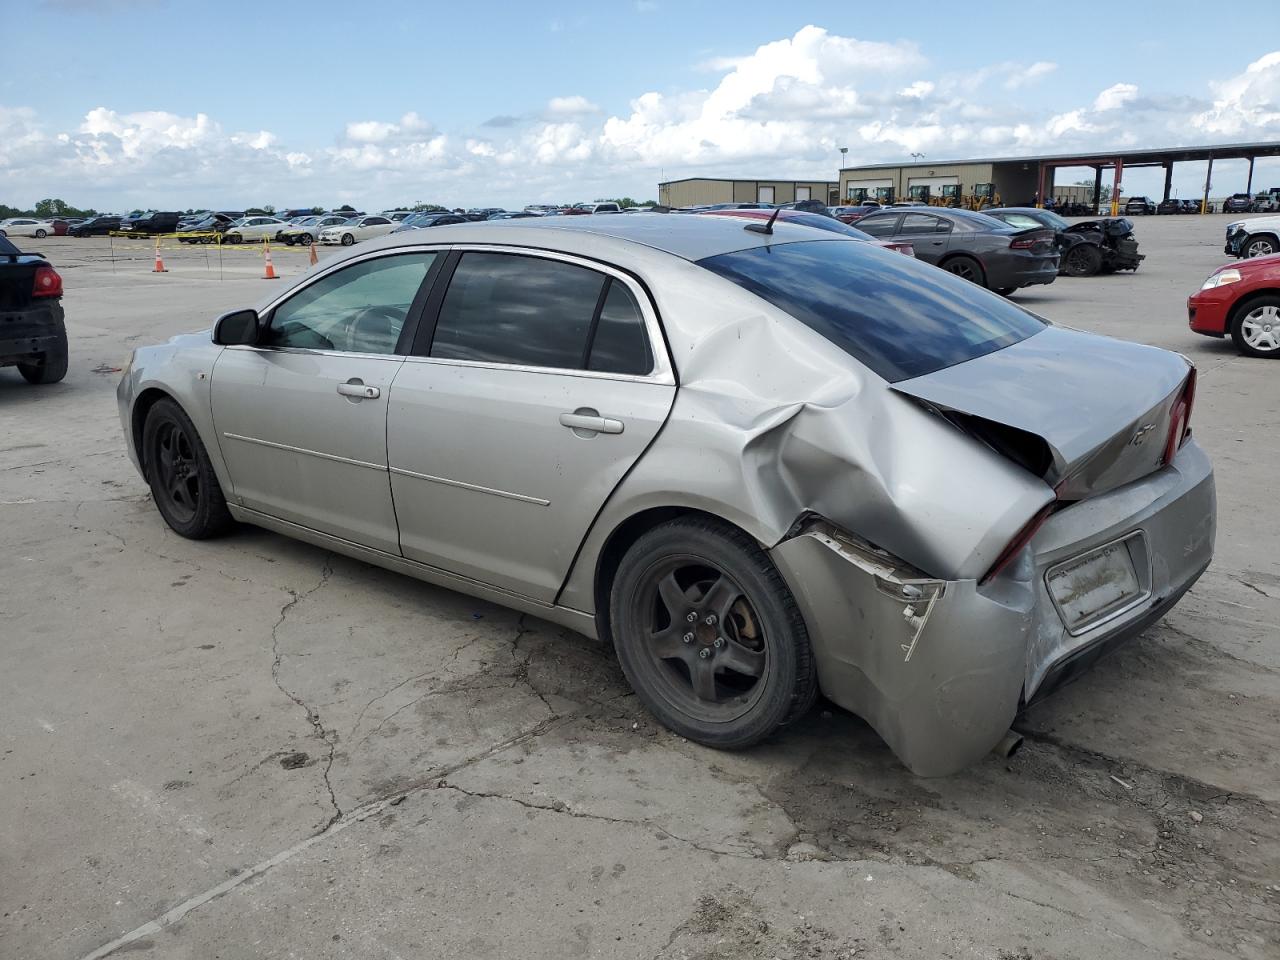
{"x":764,"y":227}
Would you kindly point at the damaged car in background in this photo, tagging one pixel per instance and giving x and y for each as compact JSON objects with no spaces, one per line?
{"x":1104,"y":245}
{"x":758,"y":459}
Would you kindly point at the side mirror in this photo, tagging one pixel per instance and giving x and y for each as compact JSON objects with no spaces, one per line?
{"x":239,"y":327}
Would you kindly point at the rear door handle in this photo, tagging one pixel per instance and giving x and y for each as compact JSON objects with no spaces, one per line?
{"x":358,"y":390}
{"x":591,"y":422}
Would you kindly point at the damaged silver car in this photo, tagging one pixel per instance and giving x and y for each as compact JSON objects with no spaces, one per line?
{"x":760,"y":460}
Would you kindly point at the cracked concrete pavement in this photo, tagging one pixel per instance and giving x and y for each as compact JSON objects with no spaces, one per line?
{"x":250,"y":747}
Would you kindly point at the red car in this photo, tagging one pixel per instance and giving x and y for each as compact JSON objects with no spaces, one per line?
{"x":1242,"y":300}
{"x":817,"y":220}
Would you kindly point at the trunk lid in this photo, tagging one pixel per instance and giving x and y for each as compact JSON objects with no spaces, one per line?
{"x":17,"y":280}
{"x":1084,"y":412}
{"x":1038,"y":240}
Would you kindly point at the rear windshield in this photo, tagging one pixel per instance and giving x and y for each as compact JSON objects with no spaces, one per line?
{"x":6,"y":247}
{"x":900,"y":317}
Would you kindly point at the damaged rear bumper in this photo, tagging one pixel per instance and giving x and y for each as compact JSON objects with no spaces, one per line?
{"x":940,"y":668}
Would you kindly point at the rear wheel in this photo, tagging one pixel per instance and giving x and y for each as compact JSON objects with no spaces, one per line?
{"x":182,"y":480}
{"x":52,"y":366}
{"x":709,"y":635}
{"x":1260,"y":246}
{"x":1256,"y":327}
{"x":966,"y":268}
{"x":1082,"y":260}
{"x":41,"y":234}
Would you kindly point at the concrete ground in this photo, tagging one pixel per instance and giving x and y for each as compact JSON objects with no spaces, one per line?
{"x":252,"y":748}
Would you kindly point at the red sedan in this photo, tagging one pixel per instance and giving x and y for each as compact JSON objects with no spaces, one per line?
{"x":1242,"y":300}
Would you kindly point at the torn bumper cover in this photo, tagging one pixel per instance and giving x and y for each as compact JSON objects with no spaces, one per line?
{"x":940,"y":668}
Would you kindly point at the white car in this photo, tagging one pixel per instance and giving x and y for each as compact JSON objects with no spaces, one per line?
{"x":255,"y":228}
{"x":307,"y":229}
{"x":1255,"y":237}
{"x":25,"y":227}
{"x":357,"y":229}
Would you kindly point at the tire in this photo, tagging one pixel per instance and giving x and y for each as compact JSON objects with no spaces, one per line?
{"x":41,"y":234}
{"x":186,"y":491}
{"x":235,"y":238}
{"x":1006,"y":291}
{"x":53,"y":368}
{"x":1260,"y":246}
{"x":743,"y":667}
{"x":1082,"y":260}
{"x":966,"y":268}
{"x":348,"y":239}
{"x":1255,"y":327}
{"x":306,"y":239}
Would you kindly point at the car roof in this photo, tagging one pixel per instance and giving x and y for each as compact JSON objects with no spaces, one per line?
{"x":689,"y":238}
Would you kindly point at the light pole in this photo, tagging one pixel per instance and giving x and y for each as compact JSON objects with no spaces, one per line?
{"x":917,"y":156}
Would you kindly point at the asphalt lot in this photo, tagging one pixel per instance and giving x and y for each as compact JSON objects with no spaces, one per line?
{"x":254,"y":748}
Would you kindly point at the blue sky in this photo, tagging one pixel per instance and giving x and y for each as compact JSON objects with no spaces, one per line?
{"x":169,"y":102}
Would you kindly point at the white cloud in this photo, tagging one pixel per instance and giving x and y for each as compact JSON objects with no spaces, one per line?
{"x":780,"y":110}
{"x":1020,"y":77}
{"x":570,"y":106}
{"x":1115,"y":96}
{"x":1250,"y":100}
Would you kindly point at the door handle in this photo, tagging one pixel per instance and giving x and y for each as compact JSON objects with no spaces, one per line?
{"x":590,"y":422}
{"x":358,"y":390}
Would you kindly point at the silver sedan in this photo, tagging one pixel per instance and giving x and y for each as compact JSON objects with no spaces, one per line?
{"x":760,"y":460}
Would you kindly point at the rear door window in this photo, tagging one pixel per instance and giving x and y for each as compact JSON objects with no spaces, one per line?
{"x":918,"y":224}
{"x":620,"y":342}
{"x":504,"y":308}
{"x":899,"y":317}
{"x":879,"y":226}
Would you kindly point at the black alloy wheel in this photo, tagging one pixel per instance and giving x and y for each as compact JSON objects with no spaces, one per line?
{"x":183,"y":484}
{"x":709,"y":635}
{"x":966,"y":268}
{"x":1082,"y":260}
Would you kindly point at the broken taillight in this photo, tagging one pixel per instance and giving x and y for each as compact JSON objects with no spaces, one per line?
{"x":1022,"y":538}
{"x":47,"y":283}
{"x":1180,"y":419}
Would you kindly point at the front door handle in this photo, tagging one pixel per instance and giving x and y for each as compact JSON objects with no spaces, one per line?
{"x":358,"y":390}
{"x":588,"y":421}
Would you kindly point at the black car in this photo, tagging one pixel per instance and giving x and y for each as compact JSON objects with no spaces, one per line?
{"x":33,"y":336}
{"x":1139,"y":206}
{"x":212,"y":224}
{"x":1193,"y":206}
{"x":153,"y":221}
{"x":95,"y":227}
{"x":420,"y":221}
{"x":1095,"y":246}
{"x":974,"y":246}
{"x":1166,"y":206}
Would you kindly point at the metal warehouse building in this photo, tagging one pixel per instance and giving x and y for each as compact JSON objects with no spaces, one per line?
{"x":697,"y":190}
{"x":1010,"y":182}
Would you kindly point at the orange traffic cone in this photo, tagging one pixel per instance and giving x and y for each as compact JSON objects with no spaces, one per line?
{"x":314,"y":258}
{"x":270,"y":273}
{"x":159,"y":267}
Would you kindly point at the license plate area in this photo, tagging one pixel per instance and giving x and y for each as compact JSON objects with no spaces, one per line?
{"x":1101,"y":584}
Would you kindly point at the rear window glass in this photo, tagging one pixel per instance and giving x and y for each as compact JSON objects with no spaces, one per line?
{"x":7,"y":247}
{"x":898,"y":316}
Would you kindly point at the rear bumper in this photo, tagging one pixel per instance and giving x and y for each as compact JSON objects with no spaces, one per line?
{"x":1021,"y":271}
{"x":941,"y":668}
{"x":34,"y":330}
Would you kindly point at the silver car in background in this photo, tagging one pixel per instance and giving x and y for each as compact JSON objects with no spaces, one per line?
{"x":761,"y":461}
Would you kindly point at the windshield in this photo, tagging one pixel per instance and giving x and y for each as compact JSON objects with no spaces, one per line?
{"x":900,"y":317}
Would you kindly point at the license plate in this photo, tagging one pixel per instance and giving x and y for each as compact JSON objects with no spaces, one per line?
{"x":1094,"y":585}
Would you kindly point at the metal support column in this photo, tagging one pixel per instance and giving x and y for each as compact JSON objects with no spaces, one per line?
{"x":1248,"y":186}
{"x":1208,"y":179}
{"x":1168,"y":179}
{"x":1040,"y":186}
{"x":1115,"y":188}
{"x":1097,"y":190}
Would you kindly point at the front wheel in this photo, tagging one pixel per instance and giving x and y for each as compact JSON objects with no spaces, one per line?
{"x":1083,"y":260}
{"x":305,"y":240}
{"x":1259,"y":247}
{"x":183,"y":484}
{"x":41,"y":234}
{"x":709,"y":635}
{"x":348,"y":239}
{"x":1256,"y":327}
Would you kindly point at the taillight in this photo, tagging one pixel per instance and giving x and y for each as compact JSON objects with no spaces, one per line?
{"x":1180,"y":419}
{"x":1018,"y":542}
{"x":1024,"y":243}
{"x":47,"y":283}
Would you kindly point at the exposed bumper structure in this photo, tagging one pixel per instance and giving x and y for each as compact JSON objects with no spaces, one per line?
{"x":941,"y":668}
